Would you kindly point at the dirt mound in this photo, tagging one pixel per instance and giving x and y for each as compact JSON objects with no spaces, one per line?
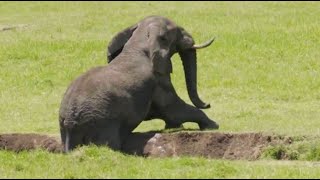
{"x":19,"y":142}
{"x":247,"y":146}
{"x":206,"y":144}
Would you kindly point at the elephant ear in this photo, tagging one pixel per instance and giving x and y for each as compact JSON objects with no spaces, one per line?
{"x":118,"y":41}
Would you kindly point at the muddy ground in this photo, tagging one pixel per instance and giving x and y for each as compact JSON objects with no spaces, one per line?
{"x":248,"y":146}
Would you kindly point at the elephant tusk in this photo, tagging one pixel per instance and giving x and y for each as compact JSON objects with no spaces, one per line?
{"x":206,"y":44}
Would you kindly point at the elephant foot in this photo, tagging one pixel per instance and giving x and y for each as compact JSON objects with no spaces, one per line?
{"x":173,"y":126}
{"x":209,"y":125}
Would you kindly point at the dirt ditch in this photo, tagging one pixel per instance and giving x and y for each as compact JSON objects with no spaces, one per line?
{"x":248,"y":146}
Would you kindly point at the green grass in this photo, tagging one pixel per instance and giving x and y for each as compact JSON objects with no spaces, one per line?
{"x":260,"y":75}
{"x":94,"y":162}
{"x":305,"y":149}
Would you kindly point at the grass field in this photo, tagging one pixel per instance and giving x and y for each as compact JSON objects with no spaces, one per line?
{"x":260,"y":75}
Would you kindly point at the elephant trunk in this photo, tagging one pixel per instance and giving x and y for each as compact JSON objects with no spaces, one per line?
{"x":189,"y":61}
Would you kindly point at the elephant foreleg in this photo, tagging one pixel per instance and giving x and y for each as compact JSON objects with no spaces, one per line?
{"x":155,"y":113}
{"x":179,"y":112}
{"x":167,"y":105}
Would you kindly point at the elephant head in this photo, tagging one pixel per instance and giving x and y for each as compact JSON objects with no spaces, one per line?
{"x":180,"y":41}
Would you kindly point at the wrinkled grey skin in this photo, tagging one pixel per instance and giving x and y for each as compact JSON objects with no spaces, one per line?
{"x":105,"y":104}
{"x":166,"y":104}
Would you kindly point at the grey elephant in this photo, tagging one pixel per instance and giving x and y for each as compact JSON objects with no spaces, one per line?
{"x":166,"y":104}
{"x":105,"y":104}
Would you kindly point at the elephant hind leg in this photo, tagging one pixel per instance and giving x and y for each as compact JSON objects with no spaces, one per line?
{"x":112,"y":141}
{"x":108,"y":135}
{"x":98,"y":134}
{"x":71,"y":139}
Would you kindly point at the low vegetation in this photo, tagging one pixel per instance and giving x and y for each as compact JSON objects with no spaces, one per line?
{"x":260,"y":75}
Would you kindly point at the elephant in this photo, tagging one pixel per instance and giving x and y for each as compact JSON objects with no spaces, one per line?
{"x":166,"y":104}
{"x":105,"y":104}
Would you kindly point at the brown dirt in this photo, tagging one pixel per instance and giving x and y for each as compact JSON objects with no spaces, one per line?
{"x":206,"y":144}
{"x":19,"y":142}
